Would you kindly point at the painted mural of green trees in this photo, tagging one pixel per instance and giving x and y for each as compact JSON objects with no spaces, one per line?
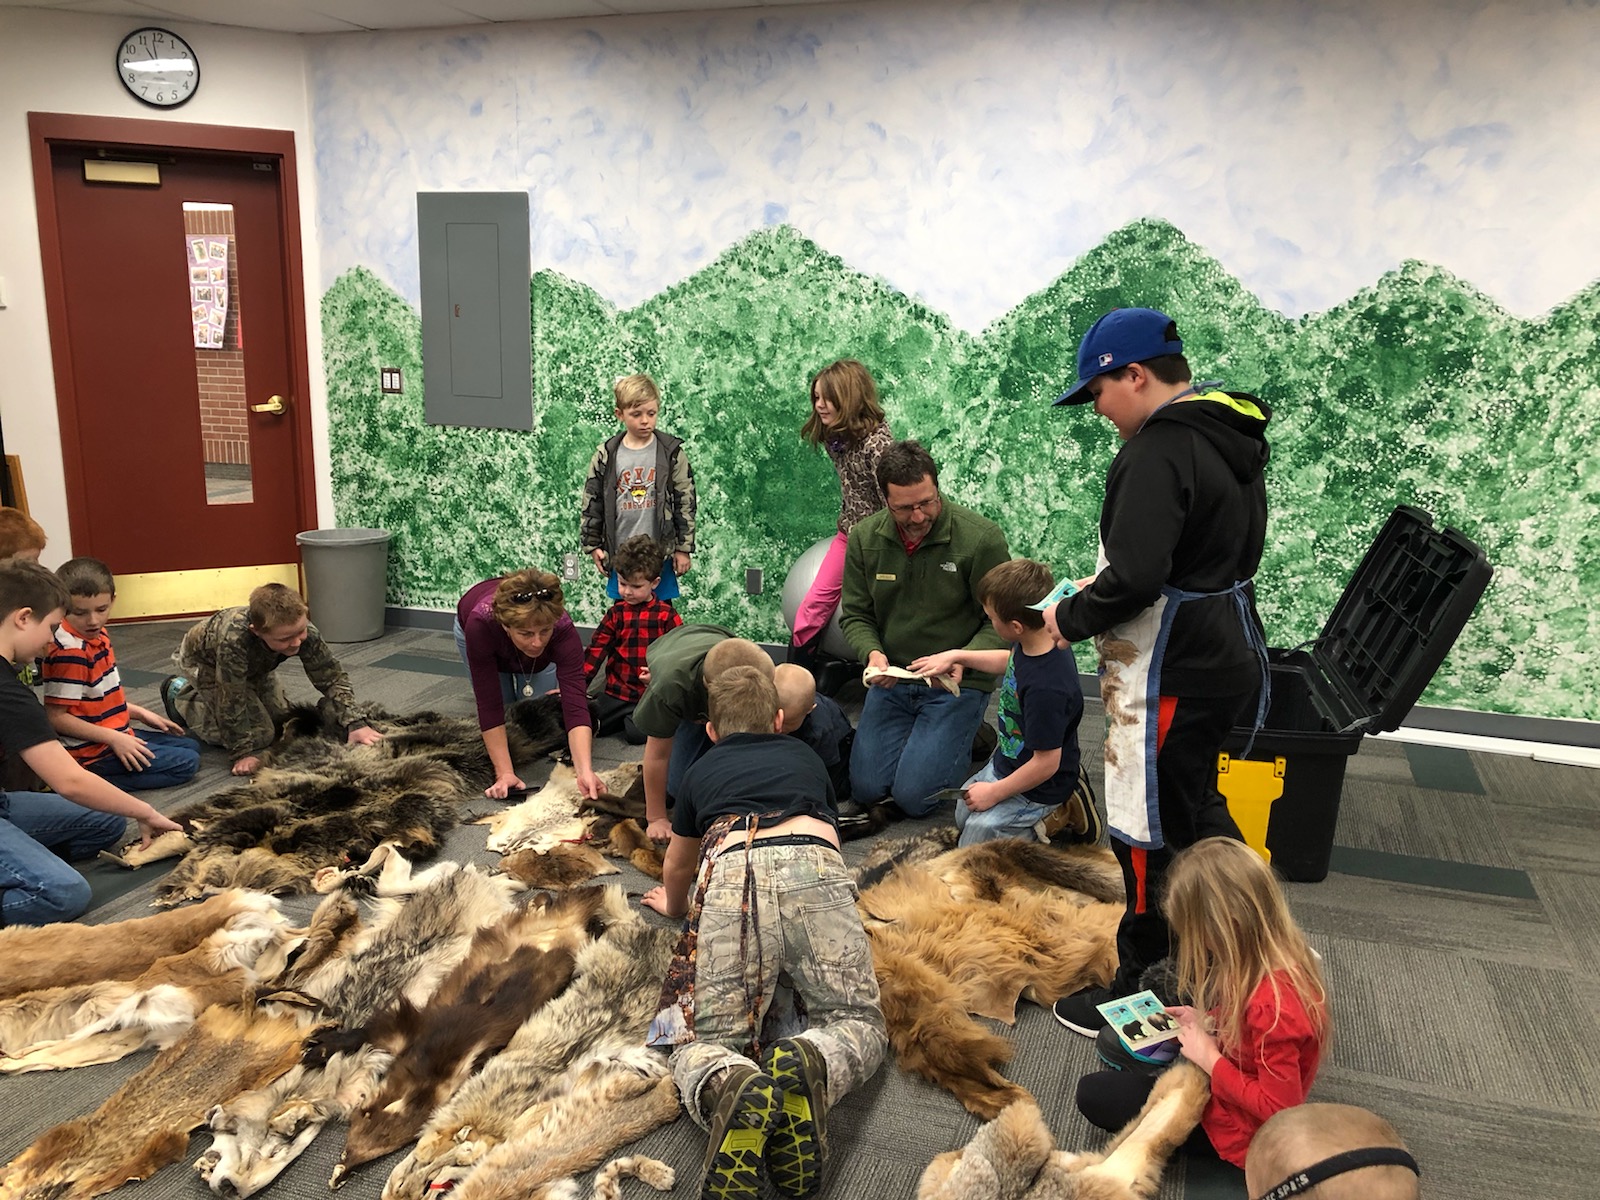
{"x":1419,"y":390}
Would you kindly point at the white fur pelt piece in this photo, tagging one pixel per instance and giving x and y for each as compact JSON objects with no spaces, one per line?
{"x":415,"y":940}
{"x":101,"y":1022}
{"x":1014,"y":1157}
{"x":608,"y":1006}
{"x":552,"y":815}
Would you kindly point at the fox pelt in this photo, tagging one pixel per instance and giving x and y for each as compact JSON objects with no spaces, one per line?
{"x":1014,"y":1157}
{"x":975,"y":930}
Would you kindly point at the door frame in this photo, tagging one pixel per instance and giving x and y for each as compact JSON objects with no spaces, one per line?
{"x":136,"y":135}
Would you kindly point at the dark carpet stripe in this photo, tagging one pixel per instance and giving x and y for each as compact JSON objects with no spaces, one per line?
{"x":422,"y":664}
{"x":1443,"y":768}
{"x":133,"y":677}
{"x":1433,"y":872}
{"x":108,"y":882}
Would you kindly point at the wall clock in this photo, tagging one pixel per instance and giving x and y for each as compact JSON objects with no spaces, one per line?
{"x":158,"y":67}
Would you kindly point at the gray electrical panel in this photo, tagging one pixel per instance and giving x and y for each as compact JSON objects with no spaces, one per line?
{"x":476,"y":350}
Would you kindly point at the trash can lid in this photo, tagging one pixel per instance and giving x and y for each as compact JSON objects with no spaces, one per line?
{"x":1397,"y":619}
{"x":341,"y":537}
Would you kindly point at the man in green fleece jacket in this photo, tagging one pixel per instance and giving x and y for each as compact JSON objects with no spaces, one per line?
{"x":911,"y":589}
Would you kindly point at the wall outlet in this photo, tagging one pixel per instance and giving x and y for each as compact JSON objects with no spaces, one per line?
{"x":752,"y":580}
{"x":569,"y":566}
{"x":389,"y":380}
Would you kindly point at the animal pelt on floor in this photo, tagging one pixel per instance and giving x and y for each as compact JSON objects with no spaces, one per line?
{"x":556,"y":812}
{"x":64,"y":954}
{"x":145,"y":1125}
{"x":348,"y":974}
{"x":1014,"y":1157}
{"x":615,"y":989}
{"x":512,"y":969}
{"x":603,"y":1102}
{"x":87,"y":1023}
{"x":558,"y":818}
{"x":975,"y":930}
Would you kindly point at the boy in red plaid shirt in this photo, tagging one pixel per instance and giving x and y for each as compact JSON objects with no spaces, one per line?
{"x":625,"y":633}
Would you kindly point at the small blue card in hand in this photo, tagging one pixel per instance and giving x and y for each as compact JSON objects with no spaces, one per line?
{"x":1057,"y":594}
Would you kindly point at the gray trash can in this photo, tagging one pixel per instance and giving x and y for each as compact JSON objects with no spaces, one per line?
{"x":346,"y":577}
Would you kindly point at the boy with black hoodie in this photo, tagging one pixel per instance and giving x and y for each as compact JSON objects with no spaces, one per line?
{"x":1171,"y":609}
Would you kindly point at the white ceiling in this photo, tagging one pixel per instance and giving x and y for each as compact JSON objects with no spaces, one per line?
{"x":345,"y":16}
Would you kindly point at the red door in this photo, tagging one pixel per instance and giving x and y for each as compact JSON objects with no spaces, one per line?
{"x":182,"y":409}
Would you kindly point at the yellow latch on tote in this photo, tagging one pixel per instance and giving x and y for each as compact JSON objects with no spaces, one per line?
{"x":1250,"y":787}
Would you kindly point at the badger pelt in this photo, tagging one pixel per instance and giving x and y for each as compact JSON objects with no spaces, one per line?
{"x":1014,"y":1157}
{"x":615,"y":990}
{"x":145,"y":1125}
{"x":512,"y":969}
{"x":275,"y":832}
{"x":534,"y":729}
{"x":60,"y":955}
{"x":562,"y":866}
{"x":974,"y":931}
{"x":91,"y":1023}
{"x":554,"y":814}
{"x":412,"y":943}
{"x":600,"y":1104}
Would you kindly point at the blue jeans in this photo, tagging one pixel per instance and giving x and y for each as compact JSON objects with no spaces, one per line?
{"x":911,"y":741}
{"x":39,"y":835}
{"x":1015,"y":816}
{"x":688,"y":744}
{"x":176,"y":760}
{"x":510,"y":686}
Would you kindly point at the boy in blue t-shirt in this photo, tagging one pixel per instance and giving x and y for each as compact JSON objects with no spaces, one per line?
{"x":1029,"y":787}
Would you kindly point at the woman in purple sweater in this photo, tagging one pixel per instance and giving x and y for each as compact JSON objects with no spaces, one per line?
{"x":510,"y":631}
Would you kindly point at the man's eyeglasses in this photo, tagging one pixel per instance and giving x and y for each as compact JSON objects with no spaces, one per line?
{"x":905,"y":510}
{"x":529,"y":597}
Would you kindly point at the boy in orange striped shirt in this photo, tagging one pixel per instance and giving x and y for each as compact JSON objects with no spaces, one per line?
{"x":84,"y":700}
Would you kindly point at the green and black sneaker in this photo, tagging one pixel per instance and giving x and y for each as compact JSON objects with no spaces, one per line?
{"x":798,"y":1144}
{"x":747,"y":1107}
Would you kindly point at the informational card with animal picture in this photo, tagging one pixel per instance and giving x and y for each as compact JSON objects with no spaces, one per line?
{"x":1141,"y":1021}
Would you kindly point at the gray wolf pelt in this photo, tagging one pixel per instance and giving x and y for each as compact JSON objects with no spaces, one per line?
{"x":615,"y":988}
{"x":1014,"y":1158}
{"x":976,"y":930}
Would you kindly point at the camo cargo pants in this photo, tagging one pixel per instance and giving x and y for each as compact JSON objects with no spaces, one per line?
{"x":794,"y":927}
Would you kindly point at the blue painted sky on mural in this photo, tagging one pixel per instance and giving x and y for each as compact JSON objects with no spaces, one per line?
{"x":969,"y":153}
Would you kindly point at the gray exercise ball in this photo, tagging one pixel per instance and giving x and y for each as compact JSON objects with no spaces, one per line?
{"x":795,"y":586}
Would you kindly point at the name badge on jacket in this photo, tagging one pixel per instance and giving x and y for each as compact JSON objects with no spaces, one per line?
{"x":882,"y":577}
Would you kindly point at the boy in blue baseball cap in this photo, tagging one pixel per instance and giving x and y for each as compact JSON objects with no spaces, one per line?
{"x":1171,"y":609}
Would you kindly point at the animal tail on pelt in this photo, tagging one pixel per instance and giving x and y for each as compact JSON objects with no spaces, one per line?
{"x":1094,"y":873}
{"x":933,"y":1035}
{"x":1137,"y":1155}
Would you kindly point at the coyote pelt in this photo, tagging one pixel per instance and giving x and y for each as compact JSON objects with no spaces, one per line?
{"x":145,"y":1125}
{"x":60,"y":955}
{"x":615,"y":988}
{"x":91,"y":1023}
{"x":605,"y":1102}
{"x":974,"y":931}
{"x":1014,"y":1157}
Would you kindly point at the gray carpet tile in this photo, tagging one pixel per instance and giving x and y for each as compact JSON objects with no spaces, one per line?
{"x":1491,"y":1109}
{"x":1432,"y":872}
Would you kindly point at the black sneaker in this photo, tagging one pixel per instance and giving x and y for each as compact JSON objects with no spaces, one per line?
{"x":797,"y":1146}
{"x":170,"y":687}
{"x":1119,"y":1058}
{"x":747,"y":1106}
{"x":1078,"y":1012}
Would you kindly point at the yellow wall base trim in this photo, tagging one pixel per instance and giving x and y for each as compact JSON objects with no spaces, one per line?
{"x":184,"y":593}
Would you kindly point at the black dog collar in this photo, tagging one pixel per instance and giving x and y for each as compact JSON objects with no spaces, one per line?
{"x":1350,"y":1160}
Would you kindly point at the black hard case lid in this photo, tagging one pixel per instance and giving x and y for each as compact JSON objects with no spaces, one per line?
{"x":1397,"y":619}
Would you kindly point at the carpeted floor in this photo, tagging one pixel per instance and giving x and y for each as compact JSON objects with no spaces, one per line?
{"x":1460,"y":930}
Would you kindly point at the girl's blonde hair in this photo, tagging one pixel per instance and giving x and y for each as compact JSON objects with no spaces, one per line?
{"x":528,"y":599}
{"x":848,"y":386}
{"x":1234,"y":931}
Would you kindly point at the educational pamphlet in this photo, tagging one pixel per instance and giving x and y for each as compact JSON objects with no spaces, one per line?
{"x":1141,"y":1021}
{"x":944,"y":681}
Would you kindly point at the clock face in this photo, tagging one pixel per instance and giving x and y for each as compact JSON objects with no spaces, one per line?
{"x":158,"y":67}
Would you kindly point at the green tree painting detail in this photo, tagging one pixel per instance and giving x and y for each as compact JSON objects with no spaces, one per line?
{"x":1419,"y":390}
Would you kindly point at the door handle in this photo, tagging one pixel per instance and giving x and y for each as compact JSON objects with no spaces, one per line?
{"x":273,"y":406}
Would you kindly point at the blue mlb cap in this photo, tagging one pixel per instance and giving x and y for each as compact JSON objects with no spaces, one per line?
{"x":1122,"y":336}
